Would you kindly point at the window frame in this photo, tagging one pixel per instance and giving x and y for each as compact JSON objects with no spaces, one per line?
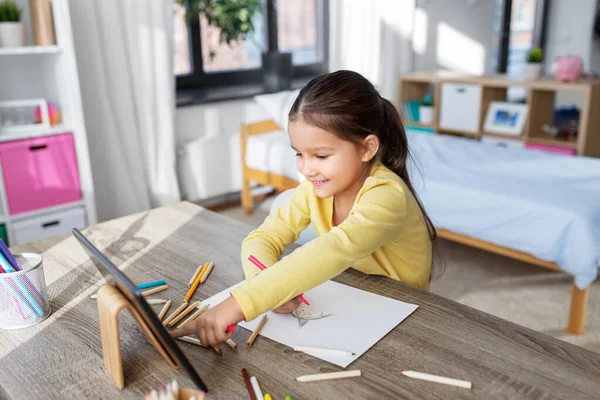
{"x":199,"y":79}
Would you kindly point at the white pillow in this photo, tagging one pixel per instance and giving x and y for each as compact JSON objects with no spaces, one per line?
{"x":278,"y":105}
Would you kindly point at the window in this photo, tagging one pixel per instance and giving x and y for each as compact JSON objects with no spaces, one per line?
{"x":519,"y":26}
{"x":295,"y":26}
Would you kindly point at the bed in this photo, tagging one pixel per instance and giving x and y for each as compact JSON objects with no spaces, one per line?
{"x":537,"y":207}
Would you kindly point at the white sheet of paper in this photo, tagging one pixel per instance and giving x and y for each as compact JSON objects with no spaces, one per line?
{"x":358,"y":320}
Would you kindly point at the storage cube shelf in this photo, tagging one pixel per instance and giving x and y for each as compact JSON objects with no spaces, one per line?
{"x":461,"y":104}
{"x":45,"y":177}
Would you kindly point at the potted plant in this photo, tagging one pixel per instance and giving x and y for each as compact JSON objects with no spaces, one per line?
{"x":533,"y":67}
{"x":12,"y":30}
{"x":234,"y":20}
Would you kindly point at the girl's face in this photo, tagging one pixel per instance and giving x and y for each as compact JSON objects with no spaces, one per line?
{"x":333,"y":165}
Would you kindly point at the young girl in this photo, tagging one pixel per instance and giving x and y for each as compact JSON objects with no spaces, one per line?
{"x":351,"y":147}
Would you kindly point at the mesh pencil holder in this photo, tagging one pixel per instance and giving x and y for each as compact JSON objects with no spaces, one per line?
{"x":23,"y":298}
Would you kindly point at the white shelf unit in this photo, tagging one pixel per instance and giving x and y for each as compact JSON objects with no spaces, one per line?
{"x":48,"y":72}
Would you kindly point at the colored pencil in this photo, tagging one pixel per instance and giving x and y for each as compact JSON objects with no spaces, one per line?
{"x":341,"y":353}
{"x":257,"y":331}
{"x":438,"y":379}
{"x":152,"y":284}
{"x":164,"y":310}
{"x":198,"y":270}
{"x":9,"y":256}
{"x":248,"y":384}
{"x":195,"y":315}
{"x":262,"y":267}
{"x":155,"y":290}
{"x":207,"y":272}
{"x":182,"y":314}
{"x":268,"y":397}
{"x":156,"y":301}
{"x":191,"y":340}
{"x":328,"y":376}
{"x":231,"y":344}
{"x":193,"y":288}
{"x":176,"y":312}
{"x":256,"y":388}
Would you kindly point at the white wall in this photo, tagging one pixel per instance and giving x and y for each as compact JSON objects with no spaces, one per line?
{"x":454,"y":34}
{"x":208,"y":152}
{"x":570,"y":31}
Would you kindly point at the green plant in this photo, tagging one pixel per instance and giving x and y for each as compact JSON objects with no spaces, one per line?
{"x":534,"y":55}
{"x":10,"y":11}
{"x":232,"y":17}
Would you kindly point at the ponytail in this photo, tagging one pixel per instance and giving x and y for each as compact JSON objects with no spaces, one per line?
{"x":394,"y":153}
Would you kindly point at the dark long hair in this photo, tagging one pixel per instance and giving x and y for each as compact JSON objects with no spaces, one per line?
{"x":347,"y":104}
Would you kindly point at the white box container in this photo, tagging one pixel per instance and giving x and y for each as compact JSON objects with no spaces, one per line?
{"x":43,"y":226}
{"x":460,"y":105}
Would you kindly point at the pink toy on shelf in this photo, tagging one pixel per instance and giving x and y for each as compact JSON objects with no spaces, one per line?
{"x":52,"y":113}
{"x":568,"y":68}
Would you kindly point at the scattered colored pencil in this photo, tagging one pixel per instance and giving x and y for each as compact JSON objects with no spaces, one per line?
{"x":207,"y":271}
{"x":257,"y":331}
{"x":155,"y":290}
{"x":341,"y":353}
{"x":151,"y":284}
{"x":256,"y":388}
{"x":175,"y":313}
{"x":164,"y":310}
{"x":438,"y":379}
{"x":183,"y":313}
{"x":328,"y":376}
{"x":196,"y":274}
{"x":262,"y":267}
{"x":248,"y":384}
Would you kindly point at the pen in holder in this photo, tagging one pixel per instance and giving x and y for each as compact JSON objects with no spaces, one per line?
{"x":23,"y":298}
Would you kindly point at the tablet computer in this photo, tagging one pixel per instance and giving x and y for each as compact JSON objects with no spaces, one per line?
{"x":116,"y":277}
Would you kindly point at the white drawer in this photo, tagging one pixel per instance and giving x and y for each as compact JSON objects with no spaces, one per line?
{"x":459,"y":107}
{"x":40,"y":227}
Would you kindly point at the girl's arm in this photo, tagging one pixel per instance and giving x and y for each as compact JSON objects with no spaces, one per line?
{"x":268,"y":242}
{"x":374,"y":221}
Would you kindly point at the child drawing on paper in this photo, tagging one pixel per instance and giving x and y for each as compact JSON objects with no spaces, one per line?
{"x":351,"y":146}
{"x":304,"y":314}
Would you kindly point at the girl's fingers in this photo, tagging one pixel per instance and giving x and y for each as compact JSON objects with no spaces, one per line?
{"x":202,"y":337}
{"x":210,"y":336}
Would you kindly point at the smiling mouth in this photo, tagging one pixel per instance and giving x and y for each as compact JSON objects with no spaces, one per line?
{"x":320,"y":183}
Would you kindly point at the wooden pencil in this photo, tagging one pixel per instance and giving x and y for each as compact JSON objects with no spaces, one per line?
{"x":196,"y":274}
{"x":164,"y":310}
{"x":175,"y":313}
{"x":191,"y":340}
{"x":328,"y":376}
{"x":195,"y":315}
{"x":207,"y":272}
{"x":249,"y":387}
{"x":156,"y":301}
{"x":155,"y":290}
{"x":257,"y":331}
{"x":231,"y":344}
{"x":182,"y":314}
{"x":194,"y":286}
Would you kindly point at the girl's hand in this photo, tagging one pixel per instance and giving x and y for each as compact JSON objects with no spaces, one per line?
{"x":288,"y":306}
{"x":212,"y":324}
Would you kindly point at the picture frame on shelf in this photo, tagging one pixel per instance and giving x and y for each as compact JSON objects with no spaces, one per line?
{"x":506,"y":118}
{"x":20,"y":116}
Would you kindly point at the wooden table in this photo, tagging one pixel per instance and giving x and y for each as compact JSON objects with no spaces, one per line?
{"x":61,"y":358}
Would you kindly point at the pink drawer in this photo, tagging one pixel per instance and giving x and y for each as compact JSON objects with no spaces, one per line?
{"x":40,"y":172}
{"x":551,"y":149}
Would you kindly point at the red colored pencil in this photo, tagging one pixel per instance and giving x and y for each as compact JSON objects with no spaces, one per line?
{"x":248,"y":384}
{"x":262,"y":267}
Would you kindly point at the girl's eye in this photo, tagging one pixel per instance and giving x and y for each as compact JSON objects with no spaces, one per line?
{"x":298,"y":155}
{"x":321,"y":157}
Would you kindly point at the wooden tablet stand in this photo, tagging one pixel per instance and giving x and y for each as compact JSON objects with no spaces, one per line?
{"x":110,"y":302}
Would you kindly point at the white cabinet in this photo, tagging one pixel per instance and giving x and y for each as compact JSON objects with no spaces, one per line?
{"x":460,"y":105}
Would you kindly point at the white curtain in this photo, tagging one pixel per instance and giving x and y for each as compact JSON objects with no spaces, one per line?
{"x":373,"y":38}
{"x":124,"y":56}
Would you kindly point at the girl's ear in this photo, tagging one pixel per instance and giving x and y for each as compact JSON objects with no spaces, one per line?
{"x":370,"y":147}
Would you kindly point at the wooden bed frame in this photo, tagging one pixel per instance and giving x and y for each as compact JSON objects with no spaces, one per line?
{"x":579,"y":298}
